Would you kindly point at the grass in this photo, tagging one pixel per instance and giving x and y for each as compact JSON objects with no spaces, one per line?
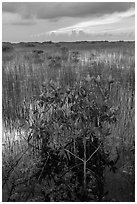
{"x":24,"y":71}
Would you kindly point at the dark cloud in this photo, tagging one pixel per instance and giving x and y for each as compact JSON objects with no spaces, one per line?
{"x":51,"y":10}
{"x":21,"y":23}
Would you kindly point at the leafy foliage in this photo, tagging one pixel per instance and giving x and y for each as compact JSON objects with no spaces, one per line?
{"x":71,"y":130}
{"x":68,"y":124}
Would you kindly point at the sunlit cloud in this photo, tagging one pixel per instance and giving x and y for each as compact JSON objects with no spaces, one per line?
{"x":87,"y":26}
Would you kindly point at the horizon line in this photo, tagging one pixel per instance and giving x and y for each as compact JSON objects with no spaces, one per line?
{"x":69,"y":41}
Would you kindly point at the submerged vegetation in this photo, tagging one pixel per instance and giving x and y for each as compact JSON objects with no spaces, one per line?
{"x":68,"y":121}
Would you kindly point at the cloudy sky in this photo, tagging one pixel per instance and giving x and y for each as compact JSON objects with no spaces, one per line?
{"x":70,"y":21}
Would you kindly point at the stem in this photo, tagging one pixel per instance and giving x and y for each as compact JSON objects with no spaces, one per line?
{"x":84,"y":176}
{"x":84,"y":143}
{"x":70,"y":169}
{"x":43,"y":167}
{"x":93,"y":153}
{"x":74,"y":155}
{"x":100,"y":89}
{"x":74,"y":143}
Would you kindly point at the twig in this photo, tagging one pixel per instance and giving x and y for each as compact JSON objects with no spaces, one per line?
{"x":94,"y":174}
{"x":10,"y":193}
{"x":43,"y":167}
{"x":12,"y":167}
{"x":100,"y":89}
{"x":71,"y":169}
{"x":85,"y":158}
{"x":74,"y":155}
{"x":93,"y":153}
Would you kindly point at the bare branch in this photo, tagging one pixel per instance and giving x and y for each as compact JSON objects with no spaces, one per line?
{"x":74,"y":155}
{"x":93,"y":153}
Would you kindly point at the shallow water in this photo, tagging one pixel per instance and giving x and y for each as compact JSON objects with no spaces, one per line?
{"x":120,"y":185}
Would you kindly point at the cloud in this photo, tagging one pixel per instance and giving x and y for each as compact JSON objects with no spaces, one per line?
{"x":90,"y":26}
{"x":80,"y":36}
{"x":58,"y":20}
{"x":51,"y":10}
{"x":15,"y":19}
{"x":24,"y":23}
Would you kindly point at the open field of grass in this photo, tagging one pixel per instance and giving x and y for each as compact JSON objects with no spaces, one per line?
{"x":66,"y":103}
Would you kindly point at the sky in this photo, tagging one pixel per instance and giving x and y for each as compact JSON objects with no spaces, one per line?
{"x":67,"y":21}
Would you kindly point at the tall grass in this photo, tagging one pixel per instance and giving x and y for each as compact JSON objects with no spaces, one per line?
{"x":24,"y":75}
